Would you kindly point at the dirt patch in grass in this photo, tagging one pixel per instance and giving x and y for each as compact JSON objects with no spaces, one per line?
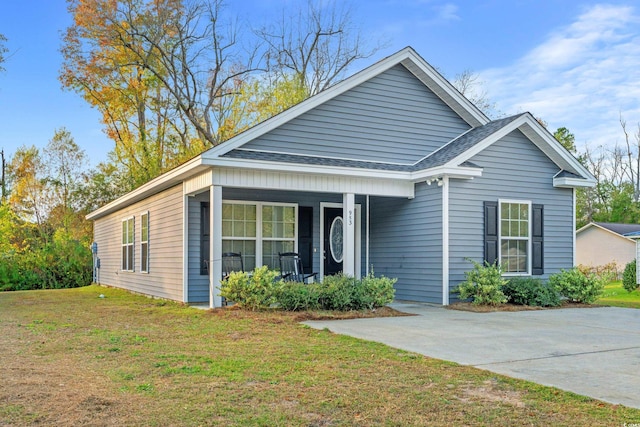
{"x":467,"y":306}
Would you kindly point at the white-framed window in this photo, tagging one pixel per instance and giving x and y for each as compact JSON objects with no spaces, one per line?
{"x":515,"y":236}
{"x":259,"y":230}
{"x":144,"y":242}
{"x":128,"y":228}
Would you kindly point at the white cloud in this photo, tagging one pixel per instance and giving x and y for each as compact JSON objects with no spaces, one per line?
{"x":582,"y":77}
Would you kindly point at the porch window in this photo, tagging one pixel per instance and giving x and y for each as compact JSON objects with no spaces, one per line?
{"x":259,"y":231}
{"x":278,"y":233}
{"x":144,"y":242}
{"x":127,"y":244}
{"x":515,"y":236}
{"x":239,"y":232}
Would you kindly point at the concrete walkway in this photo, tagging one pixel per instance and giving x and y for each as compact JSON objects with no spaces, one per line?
{"x":590,"y":351}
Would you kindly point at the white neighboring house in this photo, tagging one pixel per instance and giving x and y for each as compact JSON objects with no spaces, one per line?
{"x":601,"y":243}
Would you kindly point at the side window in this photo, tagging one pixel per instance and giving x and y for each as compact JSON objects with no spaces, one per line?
{"x":144,"y":242}
{"x":127,"y":244}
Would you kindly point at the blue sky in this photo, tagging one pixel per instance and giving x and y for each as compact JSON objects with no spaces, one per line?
{"x":572,"y":63}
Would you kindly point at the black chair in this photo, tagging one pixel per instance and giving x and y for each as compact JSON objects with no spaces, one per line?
{"x":291,"y":269}
{"x":231,"y":261}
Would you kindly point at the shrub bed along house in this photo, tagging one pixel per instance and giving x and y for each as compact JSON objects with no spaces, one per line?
{"x":485,"y":285}
{"x":262,"y":289}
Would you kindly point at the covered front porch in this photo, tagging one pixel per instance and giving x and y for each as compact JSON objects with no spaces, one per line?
{"x":331,"y":230}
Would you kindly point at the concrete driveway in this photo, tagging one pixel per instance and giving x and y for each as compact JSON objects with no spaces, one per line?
{"x":590,"y":351}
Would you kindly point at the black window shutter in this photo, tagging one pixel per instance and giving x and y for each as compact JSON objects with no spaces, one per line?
{"x":537,"y":240}
{"x":491,"y":232}
{"x":204,"y":238}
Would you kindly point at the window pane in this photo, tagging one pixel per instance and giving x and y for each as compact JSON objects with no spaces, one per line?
{"x":144,"y":260}
{"x":250,"y":212}
{"x":267,"y":228}
{"x":514,"y":211}
{"x":289,"y":214}
{"x":144,"y":227}
{"x":238,"y":229}
{"x":227,"y":228}
{"x":129,"y":257}
{"x":267,"y":213}
{"x":250,"y":229}
{"x":290,"y":230}
{"x":227,"y":211}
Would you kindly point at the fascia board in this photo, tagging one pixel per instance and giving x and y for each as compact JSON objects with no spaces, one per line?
{"x":451,"y":172}
{"x":160,"y":183}
{"x":566,"y":182}
{"x":312,"y":169}
{"x":552,"y":148}
{"x":453,"y":98}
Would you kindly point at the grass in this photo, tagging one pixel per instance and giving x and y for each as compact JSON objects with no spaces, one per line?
{"x":617,"y":296}
{"x":68,"y":357}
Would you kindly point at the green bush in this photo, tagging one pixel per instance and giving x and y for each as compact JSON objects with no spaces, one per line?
{"x":296,"y":296}
{"x":254,"y":292}
{"x":629,"y":277}
{"x":483,"y":284}
{"x":530,"y":291}
{"x":62,"y":263}
{"x":577,"y":286}
{"x":339,"y":292}
{"x":376,"y":291}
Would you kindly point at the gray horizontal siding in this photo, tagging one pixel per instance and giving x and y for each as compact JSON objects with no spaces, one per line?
{"x":406,"y":243}
{"x":165,"y":246}
{"x":198,"y":289}
{"x":392,"y":117}
{"x":513,"y":168}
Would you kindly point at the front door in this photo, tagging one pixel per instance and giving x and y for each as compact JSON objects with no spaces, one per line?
{"x":333,"y":245}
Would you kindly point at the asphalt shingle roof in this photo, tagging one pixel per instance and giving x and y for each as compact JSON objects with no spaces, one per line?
{"x":622,"y":229}
{"x":439,"y":157}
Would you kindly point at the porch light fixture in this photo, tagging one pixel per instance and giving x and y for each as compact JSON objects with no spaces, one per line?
{"x":438,"y":180}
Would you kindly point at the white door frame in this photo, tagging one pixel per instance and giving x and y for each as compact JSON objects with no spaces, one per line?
{"x":358,"y":237}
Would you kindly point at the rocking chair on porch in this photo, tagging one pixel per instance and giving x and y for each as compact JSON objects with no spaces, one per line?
{"x":231,"y":261}
{"x":291,"y":268}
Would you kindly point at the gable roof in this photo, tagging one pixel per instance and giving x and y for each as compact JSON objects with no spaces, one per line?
{"x":623,"y":230}
{"x":407,"y":57}
{"x":452,"y":159}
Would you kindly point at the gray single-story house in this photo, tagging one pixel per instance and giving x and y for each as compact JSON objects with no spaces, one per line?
{"x":391,"y":169}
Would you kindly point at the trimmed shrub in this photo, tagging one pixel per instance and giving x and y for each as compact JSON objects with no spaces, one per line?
{"x":377,"y":291}
{"x":483,"y":284}
{"x":339,"y":292}
{"x":296,"y":296}
{"x":530,"y":291}
{"x":254,"y":292}
{"x":577,"y":286}
{"x":629,"y":277}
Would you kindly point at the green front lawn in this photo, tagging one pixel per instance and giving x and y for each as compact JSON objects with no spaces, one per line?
{"x":615,"y":295}
{"x":69,"y":357}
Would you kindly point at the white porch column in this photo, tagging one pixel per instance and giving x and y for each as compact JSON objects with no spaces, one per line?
{"x":349,"y":234}
{"x":215,"y":245}
{"x":445,"y":240}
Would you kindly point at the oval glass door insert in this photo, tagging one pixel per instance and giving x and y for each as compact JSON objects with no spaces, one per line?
{"x":335,"y":239}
